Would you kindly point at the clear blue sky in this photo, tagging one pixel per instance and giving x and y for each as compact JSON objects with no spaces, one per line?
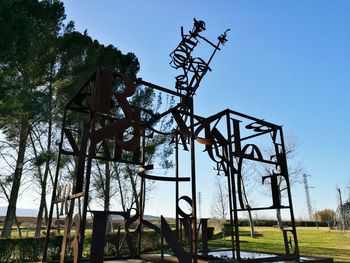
{"x":286,"y":61}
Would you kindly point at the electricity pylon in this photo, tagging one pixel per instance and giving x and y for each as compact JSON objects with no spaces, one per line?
{"x":308,"y":199}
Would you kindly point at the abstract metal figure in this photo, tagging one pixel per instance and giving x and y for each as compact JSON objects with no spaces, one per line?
{"x":194,"y":69}
{"x":229,"y":138}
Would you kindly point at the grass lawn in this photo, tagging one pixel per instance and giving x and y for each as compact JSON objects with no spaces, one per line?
{"x":312,"y":242}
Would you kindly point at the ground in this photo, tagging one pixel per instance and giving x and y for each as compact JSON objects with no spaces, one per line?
{"x":312,"y":242}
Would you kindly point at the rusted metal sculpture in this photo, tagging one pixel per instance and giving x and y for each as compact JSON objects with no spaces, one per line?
{"x":228,"y":137}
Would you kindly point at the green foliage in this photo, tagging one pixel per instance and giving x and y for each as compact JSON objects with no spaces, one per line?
{"x":6,"y":250}
{"x":42,"y":63}
{"x":43,"y":157}
{"x":28,"y":29}
{"x":210,"y":232}
{"x":28,"y":249}
{"x":80,"y":56}
{"x":54,"y":246}
{"x":150,"y":241}
{"x":309,"y":223}
{"x":41,"y":57}
{"x":227,"y":228}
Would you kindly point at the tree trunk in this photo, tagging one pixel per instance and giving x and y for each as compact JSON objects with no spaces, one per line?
{"x":278,"y":211}
{"x":11,"y":209}
{"x":18,"y":225}
{"x":107,"y":187}
{"x":116,"y":170}
{"x":279,"y":218}
{"x":107,"y":193}
{"x":251,"y":223}
{"x":39,"y":219}
{"x":134,"y":188}
{"x":58,"y":227}
{"x":45,"y":213}
{"x":42,"y":205}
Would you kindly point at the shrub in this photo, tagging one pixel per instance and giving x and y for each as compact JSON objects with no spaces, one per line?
{"x":226,"y":228}
{"x":210,"y":232}
{"x":54,"y":245}
{"x":30,"y":248}
{"x":6,"y":250}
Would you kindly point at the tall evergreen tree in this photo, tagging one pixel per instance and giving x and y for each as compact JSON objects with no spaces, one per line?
{"x":27,"y":29}
{"x":42,"y":63}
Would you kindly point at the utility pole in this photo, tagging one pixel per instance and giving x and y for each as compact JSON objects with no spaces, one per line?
{"x":308,"y":199}
{"x":200,"y":204}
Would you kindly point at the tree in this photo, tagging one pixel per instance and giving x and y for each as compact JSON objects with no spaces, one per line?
{"x":27,"y":29}
{"x":42,"y":63}
{"x":295,"y":169}
{"x":248,"y":173}
{"x":43,"y":161}
{"x":219,"y":208}
{"x":8,"y":155}
{"x":327,"y":216}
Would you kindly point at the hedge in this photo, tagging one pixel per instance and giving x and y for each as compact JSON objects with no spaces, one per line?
{"x":210,"y":232}
{"x":30,"y":249}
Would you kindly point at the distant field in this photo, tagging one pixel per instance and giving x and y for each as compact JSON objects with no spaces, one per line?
{"x":21,"y":219}
{"x":312,"y":242}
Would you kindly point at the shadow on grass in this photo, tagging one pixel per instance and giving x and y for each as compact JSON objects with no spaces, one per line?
{"x":221,"y":244}
{"x":241,"y":233}
{"x":217,"y":236}
{"x":342,"y":254}
{"x":247,"y":234}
